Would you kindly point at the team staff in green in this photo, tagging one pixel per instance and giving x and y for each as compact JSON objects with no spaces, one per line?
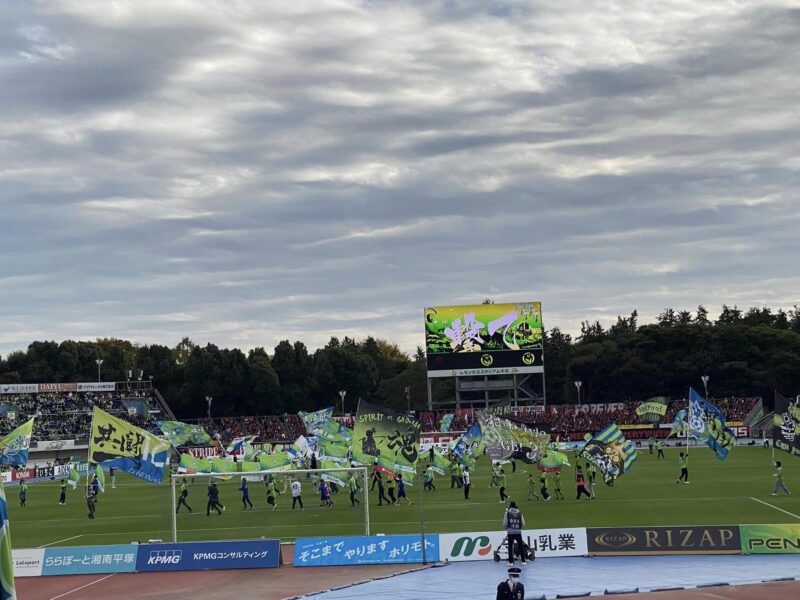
{"x":683,"y":461}
{"x":779,"y":485}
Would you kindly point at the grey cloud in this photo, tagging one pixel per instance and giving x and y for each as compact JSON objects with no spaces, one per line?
{"x":224,"y":175}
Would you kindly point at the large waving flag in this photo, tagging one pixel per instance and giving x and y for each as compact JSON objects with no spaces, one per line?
{"x":391,"y":437}
{"x":611,"y":452}
{"x":506,"y":439}
{"x":180,"y":434}
{"x":7,"y":591}
{"x":553,"y":460}
{"x":116,"y":443}
{"x":315,"y":420}
{"x":447,"y":420}
{"x":786,"y":421}
{"x":707,"y":424}
{"x":680,"y":424}
{"x":470,"y":443}
{"x":275,"y":461}
{"x":240,"y":445}
{"x":14,"y":446}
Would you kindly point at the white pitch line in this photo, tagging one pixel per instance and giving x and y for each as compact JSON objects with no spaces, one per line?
{"x":77,"y":589}
{"x":59,"y":541}
{"x":775,"y":507}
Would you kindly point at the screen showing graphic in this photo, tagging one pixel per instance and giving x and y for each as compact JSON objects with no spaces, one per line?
{"x":484,"y":339}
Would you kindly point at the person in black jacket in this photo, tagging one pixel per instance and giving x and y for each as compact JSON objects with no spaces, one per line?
{"x":511,"y":588}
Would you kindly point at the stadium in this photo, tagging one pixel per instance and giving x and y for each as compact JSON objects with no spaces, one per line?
{"x":423,"y":300}
{"x":377,"y":492}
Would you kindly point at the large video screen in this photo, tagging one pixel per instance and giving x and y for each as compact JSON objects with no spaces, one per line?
{"x":484,"y":339}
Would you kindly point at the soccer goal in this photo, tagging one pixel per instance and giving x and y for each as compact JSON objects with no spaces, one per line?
{"x":221,"y":510}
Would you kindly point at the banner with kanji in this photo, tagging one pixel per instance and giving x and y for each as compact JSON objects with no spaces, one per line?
{"x":383,"y":434}
{"x":121,"y":445}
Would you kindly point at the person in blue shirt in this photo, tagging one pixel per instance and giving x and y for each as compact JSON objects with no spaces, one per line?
{"x":245,"y":495}
{"x":401,"y":489}
{"x":95,"y":487}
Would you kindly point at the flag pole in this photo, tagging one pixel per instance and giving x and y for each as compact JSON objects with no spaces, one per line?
{"x":89,"y":450}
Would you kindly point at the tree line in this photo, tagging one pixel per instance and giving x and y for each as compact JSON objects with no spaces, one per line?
{"x":744,"y":352}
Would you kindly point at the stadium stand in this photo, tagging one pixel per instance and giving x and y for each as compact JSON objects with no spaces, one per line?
{"x":68,"y":415}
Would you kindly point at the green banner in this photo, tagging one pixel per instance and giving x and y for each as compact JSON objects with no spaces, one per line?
{"x":277,"y":460}
{"x":221,"y":465}
{"x":178,"y":433}
{"x":382,"y":433}
{"x":441,"y":464}
{"x":332,"y":449}
{"x":653,"y":409}
{"x":770,"y":539}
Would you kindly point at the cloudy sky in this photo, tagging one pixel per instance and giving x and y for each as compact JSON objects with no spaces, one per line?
{"x":244,"y":172}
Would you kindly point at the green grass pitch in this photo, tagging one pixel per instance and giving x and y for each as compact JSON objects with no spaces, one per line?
{"x":719,"y":493}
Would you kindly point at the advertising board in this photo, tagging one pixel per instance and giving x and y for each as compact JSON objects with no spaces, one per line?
{"x":28,"y":562}
{"x":201,"y":556}
{"x":546,"y":543}
{"x":484,"y":339}
{"x":770,"y":539}
{"x":81,"y":560}
{"x":364,"y":550}
{"x":693,"y":539}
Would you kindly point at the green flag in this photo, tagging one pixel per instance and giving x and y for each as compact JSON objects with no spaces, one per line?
{"x":441,"y":464}
{"x":101,"y":478}
{"x":220,"y":465}
{"x":653,"y":409}
{"x":74,"y":478}
{"x":274,"y":461}
{"x":14,"y":446}
{"x":248,"y":466}
{"x":7,"y":591}
{"x":179,"y":434}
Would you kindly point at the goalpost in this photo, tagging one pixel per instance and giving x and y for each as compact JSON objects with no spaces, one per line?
{"x":334,"y":519}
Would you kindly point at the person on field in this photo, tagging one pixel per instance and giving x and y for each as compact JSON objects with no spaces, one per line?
{"x":511,"y":588}
{"x":376,"y":477}
{"x":352,"y":485}
{"x":683,"y":461}
{"x":532,"y":495}
{"x":23,"y":493}
{"x":557,"y":485}
{"x":272,"y":492}
{"x":660,"y":448}
{"x":429,"y":479}
{"x":62,"y":498}
{"x":514,"y":523}
{"x":543,"y":489}
{"x":651,"y":444}
{"x":591,"y":472}
{"x":465,"y":478}
{"x":182,"y":498}
{"x":580,"y":481}
{"x":502,"y":483}
{"x":382,"y":493}
{"x":213,"y":500}
{"x":91,"y":501}
{"x":779,"y":485}
{"x":297,"y":494}
{"x":401,"y":489}
{"x":95,"y":486}
{"x":325,"y":495}
{"x":390,"y":485}
{"x":455,"y":475}
{"x":245,"y":495}
{"x":113,"y":472}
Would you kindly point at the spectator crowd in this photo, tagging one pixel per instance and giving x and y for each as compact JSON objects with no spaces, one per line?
{"x":68,"y":415}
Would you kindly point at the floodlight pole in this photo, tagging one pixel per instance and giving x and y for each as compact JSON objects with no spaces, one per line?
{"x":578,"y":385}
{"x":342,"y":394}
{"x":209,"y":399}
{"x":408,"y":397}
{"x":99,"y":363}
{"x":705,"y":379}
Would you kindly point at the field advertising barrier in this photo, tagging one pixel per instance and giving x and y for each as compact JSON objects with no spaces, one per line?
{"x":130,"y":558}
{"x":365,"y":550}
{"x":546,"y":543}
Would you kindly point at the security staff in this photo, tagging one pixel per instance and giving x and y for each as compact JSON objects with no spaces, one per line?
{"x":511,"y":588}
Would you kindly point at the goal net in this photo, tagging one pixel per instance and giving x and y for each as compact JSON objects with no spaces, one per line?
{"x":267,"y":504}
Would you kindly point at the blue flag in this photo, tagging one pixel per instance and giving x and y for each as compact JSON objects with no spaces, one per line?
{"x":707,"y":424}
